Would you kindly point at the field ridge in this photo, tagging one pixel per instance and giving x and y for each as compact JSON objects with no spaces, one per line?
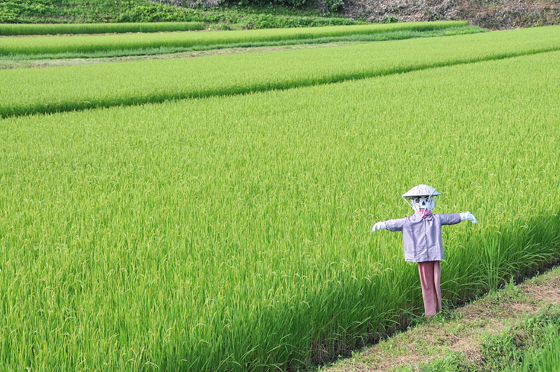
{"x":457,"y":337}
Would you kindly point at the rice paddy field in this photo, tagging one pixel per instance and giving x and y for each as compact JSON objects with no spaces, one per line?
{"x":547,"y":358}
{"x":96,"y":28}
{"x":94,"y":43}
{"x":54,"y":90}
{"x":232,"y":232}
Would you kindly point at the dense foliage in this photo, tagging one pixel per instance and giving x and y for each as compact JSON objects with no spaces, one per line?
{"x":95,"y":11}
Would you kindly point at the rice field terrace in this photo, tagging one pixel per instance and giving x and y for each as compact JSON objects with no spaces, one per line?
{"x":162,"y":51}
{"x":96,"y":28}
{"x":54,"y":90}
{"x":216,"y":215}
{"x":30,"y":46}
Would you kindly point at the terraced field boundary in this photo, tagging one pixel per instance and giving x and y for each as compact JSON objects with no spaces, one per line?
{"x":88,"y":44}
{"x":84,"y":87}
{"x":158,"y":51}
{"x":503,"y":330}
{"x":97,"y":28}
{"x":164,"y":53}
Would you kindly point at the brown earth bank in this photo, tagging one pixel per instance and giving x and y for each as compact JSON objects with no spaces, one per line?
{"x":462,"y":331}
{"x":13,"y":64}
{"x":489,"y":14}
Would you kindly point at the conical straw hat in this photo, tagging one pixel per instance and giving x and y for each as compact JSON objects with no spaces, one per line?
{"x":421,"y":190}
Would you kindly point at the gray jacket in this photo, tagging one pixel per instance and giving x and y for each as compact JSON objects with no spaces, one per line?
{"x":422,"y":237}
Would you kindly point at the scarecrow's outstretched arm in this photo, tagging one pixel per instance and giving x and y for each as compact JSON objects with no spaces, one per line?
{"x":468,"y":216}
{"x":379,"y":226}
{"x":391,"y":225}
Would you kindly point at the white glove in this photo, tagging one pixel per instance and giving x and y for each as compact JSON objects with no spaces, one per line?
{"x":379,"y":226}
{"x":468,"y":216}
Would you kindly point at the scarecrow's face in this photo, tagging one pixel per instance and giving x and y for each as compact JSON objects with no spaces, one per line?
{"x":423,"y":202}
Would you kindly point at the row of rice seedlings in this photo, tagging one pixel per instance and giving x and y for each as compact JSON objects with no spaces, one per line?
{"x":546,"y":357}
{"x":69,"y":88}
{"x":233,"y":233}
{"x":40,"y":45}
{"x":97,"y":28}
{"x":383,"y":36}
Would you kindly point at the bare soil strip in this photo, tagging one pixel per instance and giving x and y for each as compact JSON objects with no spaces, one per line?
{"x":461,"y":330}
{"x":10,"y":64}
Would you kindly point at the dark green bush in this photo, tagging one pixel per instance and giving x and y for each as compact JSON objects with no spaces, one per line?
{"x":247,"y":13}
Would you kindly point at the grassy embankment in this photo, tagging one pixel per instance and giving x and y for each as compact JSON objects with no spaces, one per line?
{"x":515,"y":328}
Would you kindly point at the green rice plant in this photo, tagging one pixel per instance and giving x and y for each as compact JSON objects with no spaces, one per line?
{"x":527,"y":346}
{"x":233,"y":233}
{"x":87,"y":44}
{"x":69,"y":88}
{"x":97,"y":28}
{"x":546,"y":357}
{"x":385,"y":36}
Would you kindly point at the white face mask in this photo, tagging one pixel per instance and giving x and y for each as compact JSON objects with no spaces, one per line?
{"x":423,"y":202}
{"x":421,"y":197}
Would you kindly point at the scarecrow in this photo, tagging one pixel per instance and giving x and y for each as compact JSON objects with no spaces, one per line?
{"x":422,"y":240}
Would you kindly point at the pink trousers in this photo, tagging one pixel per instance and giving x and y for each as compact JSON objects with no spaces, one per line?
{"x":430,"y":275}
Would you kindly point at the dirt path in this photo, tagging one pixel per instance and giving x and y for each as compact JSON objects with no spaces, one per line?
{"x":11,"y":64}
{"x":460,"y":331}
